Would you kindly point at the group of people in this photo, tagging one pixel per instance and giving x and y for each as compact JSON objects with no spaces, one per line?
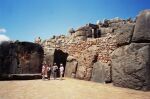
{"x":48,"y":70}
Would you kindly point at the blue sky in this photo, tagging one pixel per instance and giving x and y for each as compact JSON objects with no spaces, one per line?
{"x":26,"y":19}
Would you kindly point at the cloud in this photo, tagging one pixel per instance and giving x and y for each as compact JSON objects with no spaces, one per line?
{"x":3,"y":30}
{"x":4,"y":38}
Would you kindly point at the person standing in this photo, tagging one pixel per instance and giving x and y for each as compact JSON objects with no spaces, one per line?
{"x":55,"y":67}
{"x":44,"y":71}
{"x":49,"y":72}
{"x":61,"y":70}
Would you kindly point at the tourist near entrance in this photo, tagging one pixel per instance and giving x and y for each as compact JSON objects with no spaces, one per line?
{"x":74,"y":49}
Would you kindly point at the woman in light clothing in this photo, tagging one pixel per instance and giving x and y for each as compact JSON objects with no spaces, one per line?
{"x":44,"y":71}
{"x":49,"y":70}
{"x":61,"y":70}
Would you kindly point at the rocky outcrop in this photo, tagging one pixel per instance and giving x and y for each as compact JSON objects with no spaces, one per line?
{"x":20,"y":58}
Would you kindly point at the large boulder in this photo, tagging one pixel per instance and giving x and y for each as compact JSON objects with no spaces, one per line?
{"x":98,"y":73}
{"x":108,"y":72}
{"x":101,"y":72}
{"x":117,"y":25}
{"x":81,"y":69}
{"x":85,"y":30}
{"x":104,"y":31}
{"x":71,"y":67}
{"x":142,"y":27}
{"x":131,"y":66}
{"x":124,"y":34}
{"x":49,"y":55}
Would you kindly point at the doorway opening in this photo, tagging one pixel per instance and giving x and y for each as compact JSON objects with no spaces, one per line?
{"x":60,"y":57}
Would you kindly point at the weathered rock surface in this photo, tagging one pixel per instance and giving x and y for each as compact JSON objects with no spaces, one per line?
{"x":131,"y":66}
{"x":104,"y":31}
{"x":101,"y":72}
{"x":98,"y":73}
{"x":93,"y":44}
{"x":85,"y":64}
{"x":142,"y":27}
{"x":71,"y":67}
{"x":20,"y":58}
{"x":124,"y":34}
{"x":49,"y":55}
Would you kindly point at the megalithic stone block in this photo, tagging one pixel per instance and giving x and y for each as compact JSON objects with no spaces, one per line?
{"x":131,"y":66}
{"x":20,"y":58}
{"x":71,"y":66}
{"x":101,"y":72}
{"x":142,"y":27}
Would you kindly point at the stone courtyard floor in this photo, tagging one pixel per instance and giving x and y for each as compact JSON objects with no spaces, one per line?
{"x":65,"y":89}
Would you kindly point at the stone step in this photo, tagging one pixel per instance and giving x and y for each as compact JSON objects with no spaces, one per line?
{"x":20,"y":76}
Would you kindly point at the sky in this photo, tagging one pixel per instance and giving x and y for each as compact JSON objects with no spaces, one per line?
{"x":24,"y":20}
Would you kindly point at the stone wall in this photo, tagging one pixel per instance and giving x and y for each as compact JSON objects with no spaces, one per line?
{"x":115,"y":50}
{"x":20,"y":58}
{"x":131,"y":63}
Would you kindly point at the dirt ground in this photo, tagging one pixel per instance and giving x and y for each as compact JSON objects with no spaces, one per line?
{"x":65,"y":89}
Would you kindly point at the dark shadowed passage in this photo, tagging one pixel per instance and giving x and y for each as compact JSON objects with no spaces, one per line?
{"x":60,"y":57}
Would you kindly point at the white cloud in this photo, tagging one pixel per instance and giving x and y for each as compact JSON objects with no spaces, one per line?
{"x":4,"y":38}
{"x":3,"y":30}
